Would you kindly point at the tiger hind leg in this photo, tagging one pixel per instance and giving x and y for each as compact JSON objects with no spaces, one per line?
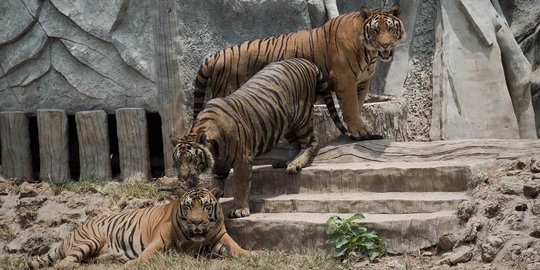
{"x":294,"y":149}
{"x":306,"y":156}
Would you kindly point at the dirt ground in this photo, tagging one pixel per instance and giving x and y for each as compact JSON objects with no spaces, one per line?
{"x":500,"y":225}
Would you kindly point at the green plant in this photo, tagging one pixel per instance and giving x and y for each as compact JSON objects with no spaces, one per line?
{"x":351,"y":239}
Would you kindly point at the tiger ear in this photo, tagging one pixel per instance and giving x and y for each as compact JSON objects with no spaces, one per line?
{"x":365,"y":12}
{"x":217,"y":192}
{"x":394,"y":10}
{"x":201,"y":138}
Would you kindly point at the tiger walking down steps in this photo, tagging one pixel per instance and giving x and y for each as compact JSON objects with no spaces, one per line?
{"x":278,"y":101}
{"x":192,"y":223}
{"x":345,"y":49}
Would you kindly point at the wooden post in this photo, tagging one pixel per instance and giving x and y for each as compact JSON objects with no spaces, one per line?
{"x":171,"y":100}
{"x":15,"y":141}
{"x":94,"y":152}
{"x":133,"y":144}
{"x":53,"y":146}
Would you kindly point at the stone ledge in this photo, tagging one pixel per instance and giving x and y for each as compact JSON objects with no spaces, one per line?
{"x":403,"y":233}
{"x":355,"y":202}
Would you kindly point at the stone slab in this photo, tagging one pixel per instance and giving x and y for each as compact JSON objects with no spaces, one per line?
{"x":355,"y":202}
{"x":367,"y":176}
{"x":403,"y":233}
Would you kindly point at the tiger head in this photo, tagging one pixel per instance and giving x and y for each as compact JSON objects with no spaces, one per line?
{"x":199,"y":215}
{"x":191,"y":158}
{"x":382,"y":30}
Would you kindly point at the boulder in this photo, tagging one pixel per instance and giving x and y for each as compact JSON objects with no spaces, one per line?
{"x":523,"y":17}
{"x":464,"y":77}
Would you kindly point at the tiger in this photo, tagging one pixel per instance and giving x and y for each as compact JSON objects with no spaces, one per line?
{"x":232,"y":130}
{"x":192,"y":223}
{"x":345,"y":49}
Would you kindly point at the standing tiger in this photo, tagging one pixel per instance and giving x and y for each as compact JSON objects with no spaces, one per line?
{"x":192,"y":223}
{"x":345,"y":49}
{"x":232,"y":130}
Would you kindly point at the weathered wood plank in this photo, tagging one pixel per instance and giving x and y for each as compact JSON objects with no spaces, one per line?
{"x":170,"y":96}
{"x":93,"y":135}
{"x":15,"y":141}
{"x":53,"y":146}
{"x":133,"y":144}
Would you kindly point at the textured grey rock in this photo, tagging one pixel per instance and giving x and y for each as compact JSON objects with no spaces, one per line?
{"x":524,"y":19}
{"x":28,"y":46}
{"x":30,"y":71}
{"x":133,"y":37}
{"x":96,"y":18}
{"x":101,"y":57}
{"x":321,"y":10}
{"x":15,"y":19}
{"x":460,"y":112}
{"x":208,"y":26}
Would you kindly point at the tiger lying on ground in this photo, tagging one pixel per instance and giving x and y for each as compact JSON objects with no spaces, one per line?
{"x":192,"y":223}
{"x":345,"y":49}
{"x":232,"y":130}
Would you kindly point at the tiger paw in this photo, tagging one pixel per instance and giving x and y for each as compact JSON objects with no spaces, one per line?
{"x":239,"y":212}
{"x":35,"y":265}
{"x":363,"y":132}
{"x":66,"y":264}
{"x":294,"y":167}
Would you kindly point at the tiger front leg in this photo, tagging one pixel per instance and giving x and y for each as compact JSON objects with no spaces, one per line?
{"x":302,"y":160}
{"x":241,"y":188}
{"x":227,"y":247}
{"x":350,"y":104}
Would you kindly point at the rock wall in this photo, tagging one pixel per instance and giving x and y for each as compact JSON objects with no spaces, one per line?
{"x":209,"y":26}
{"x":76,"y":55}
{"x":523,"y":16}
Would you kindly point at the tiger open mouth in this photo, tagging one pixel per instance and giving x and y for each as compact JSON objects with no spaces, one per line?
{"x":197,"y":237}
{"x":385,"y":55}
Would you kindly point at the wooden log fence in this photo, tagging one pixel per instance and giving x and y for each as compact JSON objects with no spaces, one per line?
{"x":133,"y":144}
{"x":94,"y":151}
{"x":93,"y":141}
{"x":15,"y":141}
{"x":53,"y":146}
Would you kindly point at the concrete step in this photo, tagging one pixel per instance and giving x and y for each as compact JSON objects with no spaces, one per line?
{"x":355,"y":202}
{"x":293,"y":231}
{"x":433,"y":176}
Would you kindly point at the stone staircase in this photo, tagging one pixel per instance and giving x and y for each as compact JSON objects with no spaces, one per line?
{"x":408,"y":191}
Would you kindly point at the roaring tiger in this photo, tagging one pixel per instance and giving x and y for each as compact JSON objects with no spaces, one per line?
{"x":231,"y":131}
{"x":192,"y":223}
{"x":345,"y":49}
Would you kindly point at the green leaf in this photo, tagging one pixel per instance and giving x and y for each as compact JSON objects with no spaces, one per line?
{"x":333,"y":238}
{"x":341,"y":251}
{"x":355,"y":217}
{"x":341,"y":243}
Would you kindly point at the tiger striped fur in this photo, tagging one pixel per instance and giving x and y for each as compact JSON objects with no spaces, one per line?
{"x":231,"y":131}
{"x":192,"y":223}
{"x":345,"y":49}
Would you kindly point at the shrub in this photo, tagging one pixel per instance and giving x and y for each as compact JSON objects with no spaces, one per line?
{"x":351,"y":239}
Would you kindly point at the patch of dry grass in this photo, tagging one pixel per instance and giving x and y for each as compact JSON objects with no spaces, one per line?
{"x":115,"y":190}
{"x":315,"y":259}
